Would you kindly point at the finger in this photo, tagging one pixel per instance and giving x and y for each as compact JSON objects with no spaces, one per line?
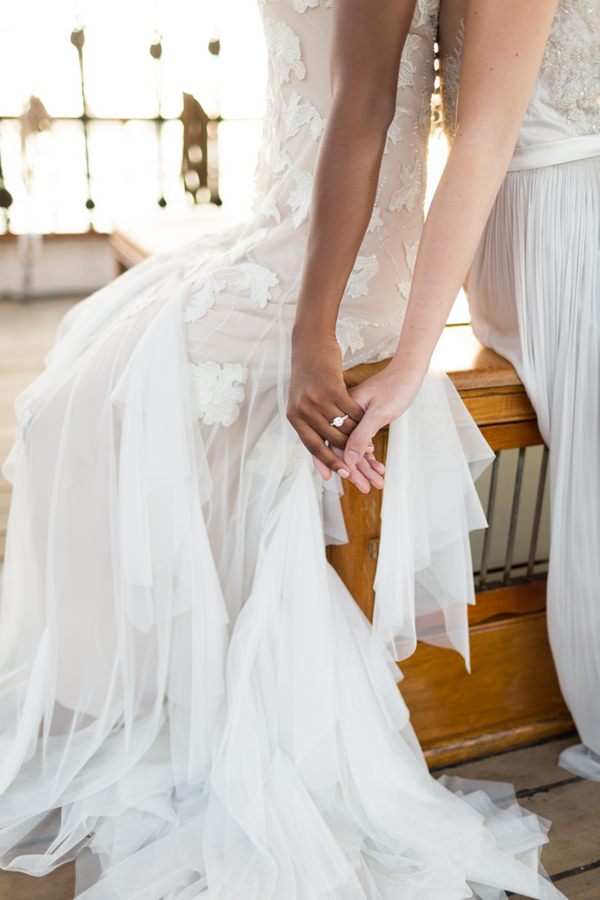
{"x":314,"y":444}
{"x":323,"y":470}
{"x":372,"y":476}
{"x":350,"y":406}
{"x":348,"y":425}
{"x":358,"y":479}
{"x":375,"y":463}
{"x":333,"y":434}
{"x":358,"y":442}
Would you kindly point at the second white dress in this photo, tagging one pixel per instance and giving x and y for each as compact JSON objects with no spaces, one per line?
{"x":534,"y":294}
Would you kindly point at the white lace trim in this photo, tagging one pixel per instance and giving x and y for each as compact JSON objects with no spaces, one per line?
{"x":218,"y":391}
{"x":203,"y":298}
{"x":365,"y":268}
{"x":408,"y":196}
{"x":349,"y":334}
{"x":298,"y":114}
{"x":285,"y":49}
{"x":300,"y":198}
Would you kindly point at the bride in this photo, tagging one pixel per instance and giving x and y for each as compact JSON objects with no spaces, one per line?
{"x":191,"y":704}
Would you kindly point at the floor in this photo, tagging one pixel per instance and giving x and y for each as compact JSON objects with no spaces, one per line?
{"x":573,"y":806}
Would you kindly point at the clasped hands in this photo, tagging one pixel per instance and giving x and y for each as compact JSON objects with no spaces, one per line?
{"x":318,"y":396}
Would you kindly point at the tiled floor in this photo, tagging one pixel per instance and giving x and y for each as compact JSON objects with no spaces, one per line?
{"x":573,"y":854}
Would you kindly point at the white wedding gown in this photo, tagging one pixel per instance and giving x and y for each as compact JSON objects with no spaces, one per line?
{"x":534,"y":293}
{"x":190,"y":701}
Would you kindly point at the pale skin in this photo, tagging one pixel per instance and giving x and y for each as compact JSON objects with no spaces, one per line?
{"x":503,"y":49}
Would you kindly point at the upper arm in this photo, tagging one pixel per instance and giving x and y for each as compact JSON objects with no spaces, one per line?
{"x":503,"y":50}
{"x":368,"y":37}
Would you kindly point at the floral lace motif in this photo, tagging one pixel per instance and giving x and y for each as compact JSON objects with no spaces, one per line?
{"x":349,"y":334}
{"x":218,"y":391}
{"x":299,"y":114}
{"x":365,"y":268}
{"x":396,"y":130}
{"x":285,"y":49}
{"x":571,"y":64}
{"x":204,"y":298}
{"x":300,"y":197}
{"x":407,"y":197}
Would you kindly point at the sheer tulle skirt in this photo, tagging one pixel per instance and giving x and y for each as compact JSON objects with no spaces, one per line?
{"x":191,"y":703}
{"x":535,"y":297}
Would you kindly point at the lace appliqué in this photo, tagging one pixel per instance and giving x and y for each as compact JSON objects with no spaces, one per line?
{"x":365,"y":268}
{"x":257,"y":280}
{"x":450,"y":79}
{"x":408,"y":195}
{"x":571,"y":64}
{"x":300,"y":198}
{"x":349,"y":334}
{"x":302,"y":5}
{"x":396,"y":129}
{"x":218,"y":391}
{"x":285,"y":47}
{"x":299,"y":114}
{"x":204,"y":298}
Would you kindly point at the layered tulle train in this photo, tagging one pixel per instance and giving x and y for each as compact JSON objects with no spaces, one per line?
{"x":192,"y":705}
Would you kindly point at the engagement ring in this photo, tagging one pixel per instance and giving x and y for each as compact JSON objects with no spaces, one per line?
{"x":338,"y":421}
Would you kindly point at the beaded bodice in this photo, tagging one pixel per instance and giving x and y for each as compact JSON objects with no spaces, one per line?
{"x":566,"y":100}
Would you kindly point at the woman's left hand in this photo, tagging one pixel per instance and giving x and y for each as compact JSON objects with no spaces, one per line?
{"x":384,"y":397}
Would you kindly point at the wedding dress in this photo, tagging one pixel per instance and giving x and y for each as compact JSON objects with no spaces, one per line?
{"x":534,"y":293}
{"x":191,"y":703}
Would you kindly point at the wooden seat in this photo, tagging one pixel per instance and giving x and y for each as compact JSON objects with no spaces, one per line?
{"x":512,"y":695}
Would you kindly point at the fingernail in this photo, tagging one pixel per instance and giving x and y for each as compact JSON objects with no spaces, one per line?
{"x":370,"y":448}
{"x":343,"y":472}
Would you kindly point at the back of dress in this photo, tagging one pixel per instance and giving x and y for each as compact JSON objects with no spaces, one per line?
{"x":562,"y":122}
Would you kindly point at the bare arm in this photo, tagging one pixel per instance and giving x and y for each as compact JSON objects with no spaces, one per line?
{"x":367,"y":42}
{"x":504,"y":45}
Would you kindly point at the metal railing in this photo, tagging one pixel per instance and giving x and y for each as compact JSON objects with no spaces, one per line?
{"x":490,"y":574}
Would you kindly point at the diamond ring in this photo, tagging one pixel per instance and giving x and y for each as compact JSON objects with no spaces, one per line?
{"x":338,"y":421}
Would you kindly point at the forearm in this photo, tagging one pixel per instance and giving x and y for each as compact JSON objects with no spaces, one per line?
{"x":504,"y":44}
{"x":453,"y":228}
{"x":343,"y":197}
{"x":367,"y":43}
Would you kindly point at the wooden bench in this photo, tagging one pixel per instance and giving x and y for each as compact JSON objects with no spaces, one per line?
{"x":512,"y":696}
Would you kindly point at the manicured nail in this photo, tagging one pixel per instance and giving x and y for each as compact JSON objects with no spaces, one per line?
{"x":344,"y":473}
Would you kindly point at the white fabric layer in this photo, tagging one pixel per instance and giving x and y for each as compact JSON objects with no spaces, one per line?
{"x":534,"y":292}
{"x":534,"y":295}
{"x":190,"y":702}
{"x":555,"y":152}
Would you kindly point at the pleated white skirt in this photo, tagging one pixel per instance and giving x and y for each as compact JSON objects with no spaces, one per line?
{"x":534,"y":292}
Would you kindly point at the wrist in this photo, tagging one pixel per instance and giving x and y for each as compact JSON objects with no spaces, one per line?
{"x":409,"y":373}
{"x":308,"y":332}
